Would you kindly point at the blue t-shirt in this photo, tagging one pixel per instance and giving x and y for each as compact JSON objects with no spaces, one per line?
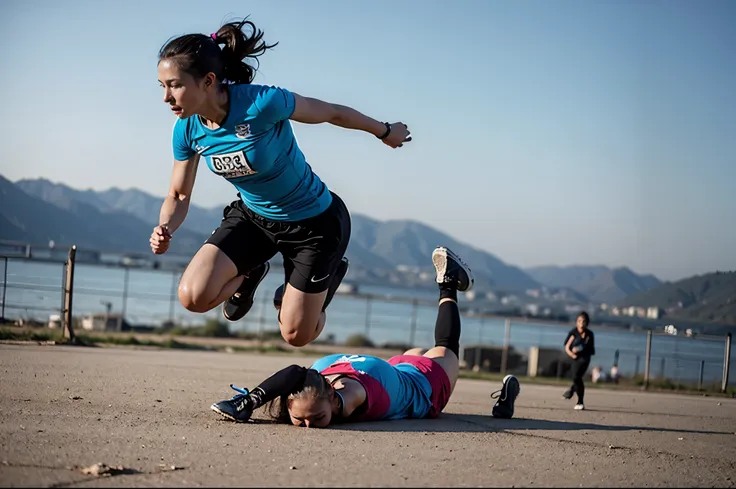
{"x":392,"y":391}
{"x":255,"y":150}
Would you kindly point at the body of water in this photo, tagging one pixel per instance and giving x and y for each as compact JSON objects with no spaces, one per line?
{"x":33,"y":290}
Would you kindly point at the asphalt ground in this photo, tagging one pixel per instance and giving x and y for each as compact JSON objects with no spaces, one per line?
{"x":65,"y":408}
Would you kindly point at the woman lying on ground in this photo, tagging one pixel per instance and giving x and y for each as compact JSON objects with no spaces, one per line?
{"x":341,"y":387}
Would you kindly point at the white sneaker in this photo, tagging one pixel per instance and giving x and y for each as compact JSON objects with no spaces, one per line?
{"x":579,"y":407}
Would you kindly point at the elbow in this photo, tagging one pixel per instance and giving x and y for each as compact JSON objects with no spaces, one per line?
{"x":179,"y":197}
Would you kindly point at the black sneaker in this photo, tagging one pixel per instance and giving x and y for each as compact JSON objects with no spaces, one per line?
{"x":238,"y":409}
{"x":568,"y":394}
{"x":504,"y":407}
{"x":240,"y":303}
{"x":450,"y":268}
{"x":342,"y":270}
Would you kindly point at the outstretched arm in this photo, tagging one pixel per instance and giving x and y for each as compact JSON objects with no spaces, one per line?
{"x":314,"y":111}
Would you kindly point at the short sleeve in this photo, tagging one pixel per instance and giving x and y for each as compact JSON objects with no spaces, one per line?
{"x":180,"y":141}
{"x":325,"y":362}
{"x":274,"y":104}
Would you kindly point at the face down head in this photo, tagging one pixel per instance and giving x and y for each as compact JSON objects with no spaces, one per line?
{"x":313,"y":407}
{"x":191,"y":68}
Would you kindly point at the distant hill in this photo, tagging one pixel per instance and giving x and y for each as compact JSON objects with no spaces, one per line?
{"x":708,"y":298}
{"x":37,"y":221}
{"x":597,"y":282}
{"x":134,"y":202}
{"x":376,"y":249}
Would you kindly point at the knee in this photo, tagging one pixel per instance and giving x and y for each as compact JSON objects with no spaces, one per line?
{"x":295,"y":339}
{"x":192,"y":298}
{"x":299,"y":333}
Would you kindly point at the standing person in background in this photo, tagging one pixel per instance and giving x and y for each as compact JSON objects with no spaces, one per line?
{"x":580,"y":347}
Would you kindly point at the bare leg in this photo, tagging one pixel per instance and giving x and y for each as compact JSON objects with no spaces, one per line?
{"x":301,"y":317}
{"x":209,"y":279}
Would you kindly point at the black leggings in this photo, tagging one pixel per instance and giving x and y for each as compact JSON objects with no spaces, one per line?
{"x":447,"y":327}
{"x":579,"y":367}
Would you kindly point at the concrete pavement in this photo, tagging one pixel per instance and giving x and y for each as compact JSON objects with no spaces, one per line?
{"x":64,"y":408}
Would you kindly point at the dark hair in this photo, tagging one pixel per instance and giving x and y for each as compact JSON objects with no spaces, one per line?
{"x":315,"y":385}
{"x":586,"y":318}
{"x":199,"y":54}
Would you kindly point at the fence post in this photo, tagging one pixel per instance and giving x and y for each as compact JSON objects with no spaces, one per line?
{"x":647,"y":359}
{"x":506,"y":341}
{"x":68,"y":294}
{"x":125,"y":293}
{"x":5,"y":286}
{"x":726,"y":363}
{"x":415,"y":306}
{"x":700,"y":378}
{"x":368,"y":307}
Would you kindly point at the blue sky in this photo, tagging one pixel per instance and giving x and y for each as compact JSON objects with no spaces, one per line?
{"x":567,"y":132}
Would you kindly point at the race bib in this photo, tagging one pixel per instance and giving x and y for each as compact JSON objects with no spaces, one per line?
{"x":231,"y":165}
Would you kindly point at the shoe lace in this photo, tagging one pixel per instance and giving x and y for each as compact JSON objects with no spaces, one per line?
{"x":497,"y":394}
{"x":242,"y":391}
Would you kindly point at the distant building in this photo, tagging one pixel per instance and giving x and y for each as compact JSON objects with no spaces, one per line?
{"x":533,"y":292}
{"x":54,"y":321}
{"x":654,"y":313}
{"x":103,"y":322}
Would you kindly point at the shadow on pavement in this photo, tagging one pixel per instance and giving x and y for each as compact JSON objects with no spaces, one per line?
{"x":628,"y":411}
{"x":476,"y":423}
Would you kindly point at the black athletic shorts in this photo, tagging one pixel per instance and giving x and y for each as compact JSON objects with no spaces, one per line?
{"x":311,"y":248}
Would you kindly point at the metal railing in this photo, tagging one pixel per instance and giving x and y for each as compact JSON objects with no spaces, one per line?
{"x":149,"y":297}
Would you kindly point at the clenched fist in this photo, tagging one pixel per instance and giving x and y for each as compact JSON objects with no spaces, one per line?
{"x":160,"y":240}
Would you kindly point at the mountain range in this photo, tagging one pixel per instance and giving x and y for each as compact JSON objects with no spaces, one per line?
{"x":709,"y":297}
{"x":115,"y":220}
{"x":394,"y":251}
{"x":598,"y":283}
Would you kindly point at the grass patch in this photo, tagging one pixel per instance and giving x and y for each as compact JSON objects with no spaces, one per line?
{"x":133,"y":341}
{"x":7,"y":334}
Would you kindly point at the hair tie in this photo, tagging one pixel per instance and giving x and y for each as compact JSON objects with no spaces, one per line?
{"x":214,"y":36}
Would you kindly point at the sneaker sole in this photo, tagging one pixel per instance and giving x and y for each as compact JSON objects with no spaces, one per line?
{"x":439,"y":259}
{"x":224,"y":415}
{"x":507,"y":378}
{"x":224,"y":304}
